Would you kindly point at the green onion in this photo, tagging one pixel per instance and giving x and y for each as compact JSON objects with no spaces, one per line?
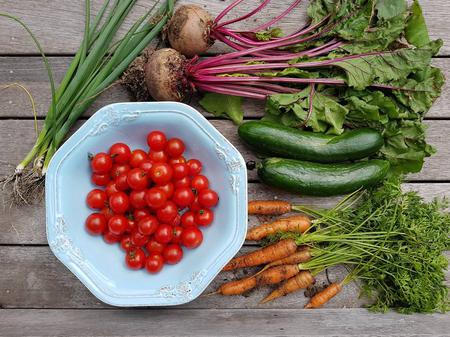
{"x":96,"y":66}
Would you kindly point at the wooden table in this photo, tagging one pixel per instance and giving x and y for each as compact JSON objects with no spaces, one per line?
{"x":40,"y":297}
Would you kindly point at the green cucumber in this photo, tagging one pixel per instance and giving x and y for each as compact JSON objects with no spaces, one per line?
{"x":281,"y":141}
{"x":321,"y":179}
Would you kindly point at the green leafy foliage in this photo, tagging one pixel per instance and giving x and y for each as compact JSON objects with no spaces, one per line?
{"x":416,"y":31}
{"x":292,"y":110}
{"x":410,"y":275}
{"x":394,"y":243}
{"x":223,"y":106}
{"x":388,"y":9}
{"x":268,"y":34}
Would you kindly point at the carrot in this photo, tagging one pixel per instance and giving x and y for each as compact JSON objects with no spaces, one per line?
{"x":301,"y":281}
{"x":277,"y":274}
{"x":264,"y":255}
{"x":268,"y":207}
{"x":237,"y":287}
{"x":324,"y":296}
{"x":295,"y":224}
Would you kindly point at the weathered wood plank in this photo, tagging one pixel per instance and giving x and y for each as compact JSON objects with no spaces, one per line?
{"x":32,"y":276}
{"x":19,"y":135}
{"x":300,"y":323}
{"x":60,"y":28}
{"x":26,"y":225}
{"x":30,"y":72}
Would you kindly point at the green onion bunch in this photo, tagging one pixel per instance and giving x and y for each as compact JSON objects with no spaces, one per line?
{"x":98,"y":63}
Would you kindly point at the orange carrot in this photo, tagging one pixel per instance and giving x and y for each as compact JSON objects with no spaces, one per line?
{"x":237,"y":287}
{"x":302,"y":255}
{"x":324,"y":296}
{"x":268,"y":207}
{"x":295,"y":224}
{"x":300,"y":281}
{"x":277,"y":274}
{"x":271,"y":276}
{"x":279,"y":250}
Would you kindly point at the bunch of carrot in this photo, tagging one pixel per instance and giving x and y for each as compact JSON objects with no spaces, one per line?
{"x":288,"y":261}
{"x":301,"y":248}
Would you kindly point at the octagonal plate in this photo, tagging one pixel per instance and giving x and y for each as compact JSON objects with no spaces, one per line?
{"x":100,"y":266}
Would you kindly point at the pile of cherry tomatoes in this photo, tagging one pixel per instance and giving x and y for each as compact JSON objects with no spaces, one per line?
{"x":152,"y":203}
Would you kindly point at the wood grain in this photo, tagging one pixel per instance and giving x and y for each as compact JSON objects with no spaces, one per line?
{"x":30,"y":72}
{"x":245,"y":323}
{"x":32,"y":276}
{"x":19,"y":135}
{"x":26,"y":225}
{"x":58,"y":25}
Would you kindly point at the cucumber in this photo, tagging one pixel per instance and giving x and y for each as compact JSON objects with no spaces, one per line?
{"x":321,"y":179}
{"x":281,"y":141}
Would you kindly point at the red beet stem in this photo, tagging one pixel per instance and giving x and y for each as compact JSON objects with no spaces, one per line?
{"x":254,"y":43}
{"x":226,"y":11}
{"x":225,"y":91}
{"x":278,"y":18}
{"x":246,"y":16}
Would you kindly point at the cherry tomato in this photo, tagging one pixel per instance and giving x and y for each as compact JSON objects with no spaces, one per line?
{"x":120,"y":153}
{"x":107,"y":212}
{"x":96,"y":199}
{"x":195,"y":167}
{"x":101,"y":163}
{"x":167,"y":213}
{"x":180,"y":170}
{"x":188,"y":219}
{"x":125,"y":243}
{"x":191,"y":237}
{"x":119,"y":202}
{"x":183,"y":196}
{"x":174,"y":147}
{"x":204,"y":217}
{"x":132,"y":226}
{"x":137,"y":179}
{"x":111,"y":238}
{"x":118,"y":169}
{"x":177,"y":231}
{"x":163,"y":234}
{"x":135,"y":258}
{"x":148,"y":225}
{"x":155,"y":197}
{"x":156,"y":140}
{"x":138,"y":239}
{"x":122,"y":182}
{"x":168,"y":189}
{"x":100,"y":179}
{"x":177,"y":160}
{"x":208,"y":198}
{"x":175,"y":221}
{"x":172,"y":253}
{"x":154,"y":263}
{"x":138,"y":214}
{"x":118,"y":224}
{"x":111,"y":188}
{"x":146,"y":165}
{"x":161,"y":173}
{"x":137,"y":199}
{"x":154,"y":246}
{"x":195,"y":206}
{"x":158,"y":156}
{"x":199,"y":183}
{"x":184,"y":182}
{"x":137,"y":157}
{"x":96,"y":223}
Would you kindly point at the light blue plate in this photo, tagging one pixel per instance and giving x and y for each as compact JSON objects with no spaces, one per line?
{"x":100,"y":266}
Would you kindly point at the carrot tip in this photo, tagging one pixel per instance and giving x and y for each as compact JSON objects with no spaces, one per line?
{"x":308,"y":306}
